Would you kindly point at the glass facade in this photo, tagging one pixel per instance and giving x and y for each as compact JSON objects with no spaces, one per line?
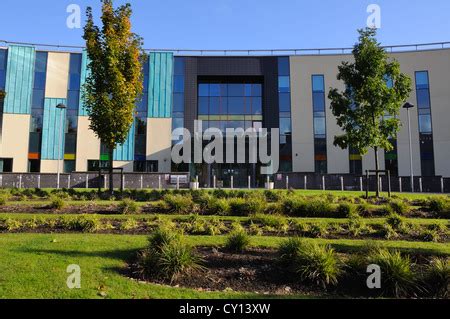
{"x":140,"y":137}
{"x":391,"y":157}
{"x":73,"y":100}
{"x":319,"y":123}
{"x":284,"y":103}
{"x":37,"y":111}
{"x":178,"y":106}
{"x":425,"y":123}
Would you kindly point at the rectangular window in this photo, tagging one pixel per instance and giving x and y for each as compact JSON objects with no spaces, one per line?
{"x":319,"y":123}
{"x":425,"y":123}
{"x":34,"y":166}
{"x":178,"y":84}
{"x":95,"y":165}
{"x":69,"y":166}
{"x":284,"y":84}
{"x":6,"y":165}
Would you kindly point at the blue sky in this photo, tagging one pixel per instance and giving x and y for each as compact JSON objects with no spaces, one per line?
{"x":238,"y":24}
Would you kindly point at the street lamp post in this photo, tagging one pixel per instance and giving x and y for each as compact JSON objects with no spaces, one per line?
{"x":61,"y":107}
{"x":408,"y":106}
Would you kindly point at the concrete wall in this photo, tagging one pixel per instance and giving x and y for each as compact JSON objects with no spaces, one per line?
{"x":302,"y":69}
{"x":88,"y":145}
{"x":437,"y":63}
{"x":15,"y":135}
{"x":159,"y":135}
{"x":51,"y":166}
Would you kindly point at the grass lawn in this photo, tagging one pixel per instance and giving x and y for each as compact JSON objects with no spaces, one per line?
{"x":34,"y":265}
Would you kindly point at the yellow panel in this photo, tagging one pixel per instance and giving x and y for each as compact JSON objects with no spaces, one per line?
{"x":69,"y":156}
{"x":57,"y":75}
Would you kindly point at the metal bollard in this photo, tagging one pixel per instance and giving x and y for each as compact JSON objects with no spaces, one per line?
{"x":287,"y":182}
{"x":39,"y":181}
{"x":323,"y":182}
{"x":400,"y":186}
{"x":20,"y":181}
{"x":249,"y":181}
{"x":361,"y":187}
{"x":142,"y":181}
{"x":442,"y":185}
{"x":232,"y":182}
{"x":305,"y":181}
{"x":420,"y":184}
{"x":68,"y":182}
{"x":342,"y":183}
{"x":214,"y":181}
{"x":159,"y":182}
{"x":381,"y":183}
{"x":87,"y":181}
{"x":178,"y":182}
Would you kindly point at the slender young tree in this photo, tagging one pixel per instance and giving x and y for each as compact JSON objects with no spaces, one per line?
{"x":367,"y":111}
{"x":114,"y":84}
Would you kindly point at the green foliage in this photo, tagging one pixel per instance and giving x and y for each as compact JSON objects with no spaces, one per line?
{"x":218,"y":206}
{"x":3,"y":199}
{"x":129,"y":224}
{"x":56,"y":202}
{"x":437,"y":277}
{"x":288,"y":251}
{"x":317,"y":264}
{"x":388,"y":232}
{"x":397,"y":277}
{"x":318,"y":230}
{"x":246,"y":206}
{"x":10,"y":224}
{"x":399,"y":207}
{"x":440,"y":206}
{"x":397,"y":222}
{"x":114,"y":83}
{"x":360,"y":110}
{"x":345,"y":210}
{"x":83,"y":223}
{"x":237,"y":241}
{"x":312,"y":207}
{"x":167,"y":256}
{"x":179,"y":204}
{"x":128,"y":206}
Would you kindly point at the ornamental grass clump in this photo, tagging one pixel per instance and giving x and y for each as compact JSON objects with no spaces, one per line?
{"x":128,"y":206}
{"x":237,"y":241}
{"x":167,"y":256}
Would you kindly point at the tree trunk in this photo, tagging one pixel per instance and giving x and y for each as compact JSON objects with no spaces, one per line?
{"x":377,"y":174}
{"x":111,"y":172}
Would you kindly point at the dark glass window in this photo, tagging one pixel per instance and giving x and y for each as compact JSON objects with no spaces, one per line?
{"x":34,"y":166}
{"x":285,"y":102}
{"x":178,"y":84}
{"x":41,"y":62}
{"x":318,"y":83}
{"x":70,"y":143}
{"x":178,"y":102}
{"x":422,"y":80}
{"x":203,"y":90}
{"x":73,"y":98}
{"x":179,"y":66}
{"x":425,"y":124}
{"x":285,"y":126}
{"x":95,"y":165}
{"x":319,"y":126}
{"x":423,"y":99}
{"x":214,"y":105}
{"x":3,"y":59}
{"x":256,"y":89}
{"x":69,"y":166}
{"x":6,"y":165}
{"x":318,"y":102}
{"x":75,"y":63}
{"x":38,"y":99}
{"x":320,"y":166}
{"x":356,"y":167}
{"x":236,"y":105}
{"x":236,"y":90}
{"x":34,"y":144}
{"x":283,"y":66}
{"x":74,"y":81}
{"x":284,"y":84}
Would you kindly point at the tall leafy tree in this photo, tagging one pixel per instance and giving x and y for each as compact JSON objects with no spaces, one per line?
{"x":367,"y":111}
{"x":114,"y":84}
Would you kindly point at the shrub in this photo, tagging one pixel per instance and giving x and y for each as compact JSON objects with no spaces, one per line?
{"x":318,"y":230}
{"x":246,"y":207}
{"x":317,"y":208}
{"x":288,"y":251}
{"x":167,"y":256}
{"x":10,"y":224}
{"x":437,"y":277}
{"x":82,"y":223}
{"x":128,"y":206}
{"x":317,"y":263}
{"x":399,"y":207}
{"x":273,"y":196}
{"x":214,"y":227}
{"x":3,"y":199}
{"x":218,"y":206}
{"x":179,"y":204}
{"x":356,"y":226}
{"x":388,"y":232}
{"x":129,"y":224}
{"x":397,"y":222}
{"x":345,"y":210}
{"x":270,"y":220}
{"x":431,"y":235}
{"x":255,"y":229}
{"x":362,"y":208}
{"x":57,"y":202}
{"x":437,"y":204}
{"x":237,"y":241}
{"x":398,"y":278}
